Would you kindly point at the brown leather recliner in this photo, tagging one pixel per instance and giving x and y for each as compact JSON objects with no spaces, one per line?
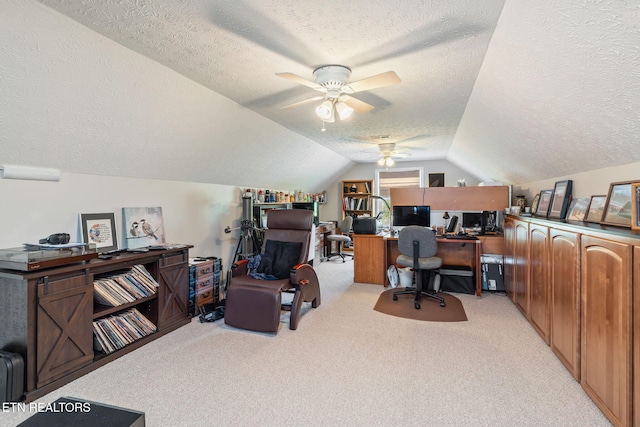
{"x":256,"y":304}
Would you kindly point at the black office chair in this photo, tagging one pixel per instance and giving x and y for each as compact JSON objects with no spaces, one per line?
{"x":418,"y":246}
{"x":341,"y":238}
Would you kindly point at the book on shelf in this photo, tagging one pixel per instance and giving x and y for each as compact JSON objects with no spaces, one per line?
{"x":116,"y":331}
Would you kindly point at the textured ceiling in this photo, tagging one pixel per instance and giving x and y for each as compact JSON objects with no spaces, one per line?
{"x":235,"y":47}
{"x":516,"y":91}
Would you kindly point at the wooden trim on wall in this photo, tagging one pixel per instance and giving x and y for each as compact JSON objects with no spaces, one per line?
{"x":489,"y":198}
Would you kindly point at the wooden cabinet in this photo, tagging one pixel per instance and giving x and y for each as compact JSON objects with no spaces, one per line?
{"x":606,"y":335}
{"x":509,"y":257}
{"x":47,"y":315}
{"x":521,"y":267}
{"x":564,"y":276}
{"x":355,"y":198}
{"x":539,"y":279}
{"x":582,"y":302}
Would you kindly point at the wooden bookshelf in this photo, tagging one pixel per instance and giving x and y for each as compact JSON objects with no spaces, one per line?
{"x":355,"y":198}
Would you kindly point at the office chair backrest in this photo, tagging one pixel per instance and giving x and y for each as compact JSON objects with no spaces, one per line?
{"x":425,"y":237}
{"x":345,"y":225}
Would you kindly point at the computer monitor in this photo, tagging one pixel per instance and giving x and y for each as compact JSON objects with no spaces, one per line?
{"x":472,"y":220}
{"x":411,"y":215}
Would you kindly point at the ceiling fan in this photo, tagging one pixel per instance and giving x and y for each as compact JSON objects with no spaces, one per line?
{"x":389,"y":152}
{"x":333,"y":82}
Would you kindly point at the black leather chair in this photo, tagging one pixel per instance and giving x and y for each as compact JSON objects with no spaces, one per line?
{"x":342,"y":238}
{"x":256,"y":304}
{"x":418,"y":247}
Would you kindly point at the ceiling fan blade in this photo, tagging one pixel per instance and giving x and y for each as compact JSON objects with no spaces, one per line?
{"x":301,"y":80}
{"x":385,"y":79}
{"x":358,"y":106}
{"x":299,"y":103}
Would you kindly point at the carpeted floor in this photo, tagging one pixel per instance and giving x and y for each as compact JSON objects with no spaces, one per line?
{"x":346,"y":365}
{"x":430,"y":309}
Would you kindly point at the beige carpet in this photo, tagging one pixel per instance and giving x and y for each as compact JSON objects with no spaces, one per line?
{"x":430,"y":309}
{"x":346,"y":365}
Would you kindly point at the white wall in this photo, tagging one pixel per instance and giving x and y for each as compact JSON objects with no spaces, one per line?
{"x":193,"y":213}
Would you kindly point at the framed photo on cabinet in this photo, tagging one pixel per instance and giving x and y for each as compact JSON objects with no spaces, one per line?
{"x":617,"y":210}
{"x":578,"y":209}
{"x":635,"y":206}
{"x":544,"y":202}
{"x":100,"y":229}
{"x":560,"y":200}
{"x":595,"y":209}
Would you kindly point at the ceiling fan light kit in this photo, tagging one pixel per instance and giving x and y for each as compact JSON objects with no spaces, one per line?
{"x":333,"y":81}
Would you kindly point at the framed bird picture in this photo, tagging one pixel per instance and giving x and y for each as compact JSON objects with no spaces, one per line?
{"x":143,"y":227}
{"x":100,"y":229}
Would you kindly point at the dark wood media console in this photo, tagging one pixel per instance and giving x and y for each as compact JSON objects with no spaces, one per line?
{"x":47,"y":315}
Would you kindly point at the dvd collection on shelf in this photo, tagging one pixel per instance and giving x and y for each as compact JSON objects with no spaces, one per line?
{"x":124,"y":288}
{"x":114,"y":332}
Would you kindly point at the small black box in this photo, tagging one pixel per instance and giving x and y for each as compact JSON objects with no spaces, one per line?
{"x":457,"y":279}
{"x":364,"y":225}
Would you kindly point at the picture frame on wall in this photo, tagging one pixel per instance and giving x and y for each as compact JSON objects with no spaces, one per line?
{"x":100,"y":229}
{"x":617,"y":210}
{"x":436,"y":180}
{"x":595,"y":209}
{"x":635,"y":206}
{"x":544,"y":203}
{"x":560,"y":199}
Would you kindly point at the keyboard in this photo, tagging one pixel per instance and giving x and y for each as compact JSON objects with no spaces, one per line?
{"x":459,"y":237}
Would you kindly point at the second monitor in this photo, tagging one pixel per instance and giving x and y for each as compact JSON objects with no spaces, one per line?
{"x":411,"y":215}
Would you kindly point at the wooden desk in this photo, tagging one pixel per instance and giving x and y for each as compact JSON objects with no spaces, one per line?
{"x":374,"y":253}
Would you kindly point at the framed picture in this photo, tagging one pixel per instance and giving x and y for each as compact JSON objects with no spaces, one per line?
{"x":534,"y":204}
{"x":635,"y":206}
{"x":595,"y":209}
{"x":560,"y":199}
{"x":436,"y":180}
{"x":544,"y":203}
{"x":143,"y":227}
{"x":578,"y":209}
{"x":617,"y":210}
{"x":100,"y":229}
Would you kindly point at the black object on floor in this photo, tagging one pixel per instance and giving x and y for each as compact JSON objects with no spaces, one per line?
{"x":11,"y":376}
{"x":211,"y":312}
{"x":70,"y":411}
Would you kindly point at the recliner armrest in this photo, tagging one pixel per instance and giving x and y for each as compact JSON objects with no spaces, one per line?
{"x":240,"y":268}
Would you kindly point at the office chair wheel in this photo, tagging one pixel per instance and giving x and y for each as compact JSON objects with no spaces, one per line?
{"x":395,"y":297}
{"x":443,"y":304}
{"x":417,"y":305}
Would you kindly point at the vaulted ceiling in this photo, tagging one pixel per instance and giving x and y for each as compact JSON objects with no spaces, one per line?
{"x":508,"y":90}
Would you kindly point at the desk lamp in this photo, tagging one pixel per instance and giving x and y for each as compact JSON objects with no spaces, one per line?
{"x":390,"y":212}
